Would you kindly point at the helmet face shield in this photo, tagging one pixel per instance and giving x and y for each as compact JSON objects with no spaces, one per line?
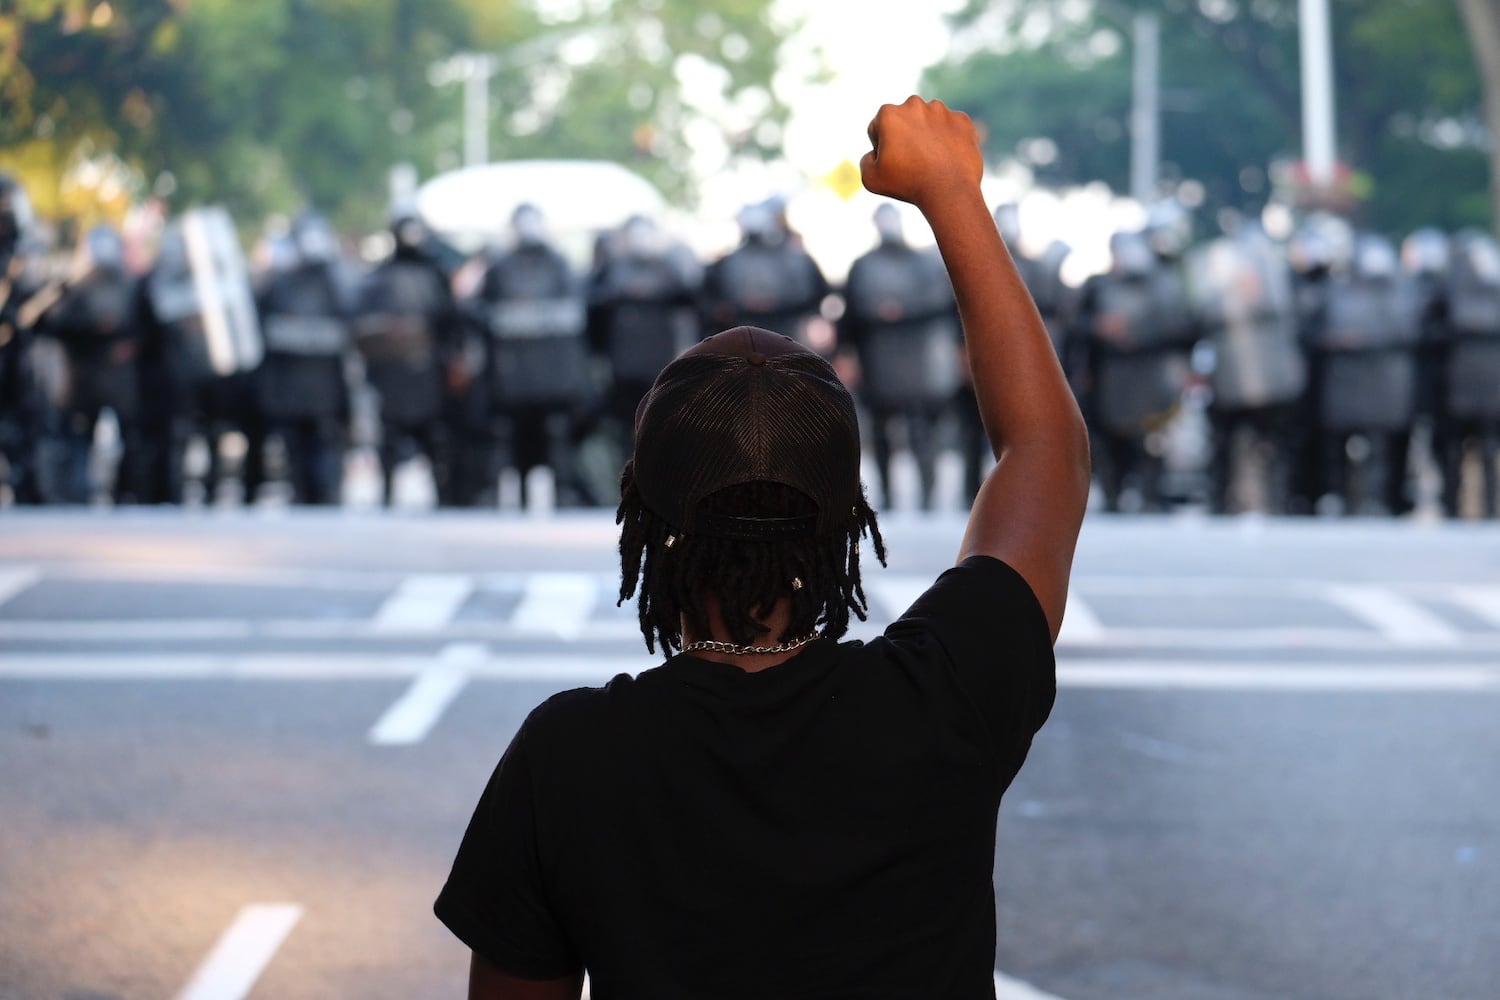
{"x":314,"y":239}
{"x":1425,"y":252}
{"x":1483,"y":254}
{"x":104,"y":248}
{"x":888,"y":224}
{"x":15,"y":216}
{"x":1131,"y":254}
{"x":1375,"y":259}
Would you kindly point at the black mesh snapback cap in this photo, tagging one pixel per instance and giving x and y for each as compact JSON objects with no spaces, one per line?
{"x":748,"y":405}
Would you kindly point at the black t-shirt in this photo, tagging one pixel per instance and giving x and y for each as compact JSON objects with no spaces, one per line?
{"x":821,"y":828}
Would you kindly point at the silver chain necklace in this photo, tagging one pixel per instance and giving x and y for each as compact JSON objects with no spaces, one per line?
{"x":734,"y":650}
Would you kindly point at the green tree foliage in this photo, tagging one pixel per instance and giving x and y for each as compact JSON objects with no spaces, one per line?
{"x":273,"y":104}
{"x":1408,"y":96}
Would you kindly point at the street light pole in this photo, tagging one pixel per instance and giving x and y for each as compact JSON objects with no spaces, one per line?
{"x":1145,"y":111}
{"x":474,"y":70}
{"x":1318,"y":144}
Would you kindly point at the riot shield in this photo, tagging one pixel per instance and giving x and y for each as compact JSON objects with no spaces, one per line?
{"x":1373,"y":391}
{"x":1473,"y":382}
{"x":1372,"y":316}
{"x":1137,"y":393}
{"x":201,"y":291}
{"x":394,"y":333}
{"x":541,"y":355}
{"x":910,"y":364}
{"x":1242,"y":292}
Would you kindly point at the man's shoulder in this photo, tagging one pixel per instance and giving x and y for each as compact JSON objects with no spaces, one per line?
{"x":566,"y":711}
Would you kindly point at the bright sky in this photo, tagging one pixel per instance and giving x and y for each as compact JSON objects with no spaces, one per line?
{"x":875,"y":51}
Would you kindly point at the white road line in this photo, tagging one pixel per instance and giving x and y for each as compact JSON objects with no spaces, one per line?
{"x":1201,"y":675}
{"x":1297,"y":639}
{"x":424,"y":603}
{"x":556,"y":604}
{"x":246,"y":948}
{"x":1397,"y":618}
{"x":1007,"y":988}
{"x":1080,"y":627}
{"x":1276,"y":676}
{"x":1483,"y":601}
{"x":412,"y":716}
{"x":897,"y":592}
{"x":15,"y":580}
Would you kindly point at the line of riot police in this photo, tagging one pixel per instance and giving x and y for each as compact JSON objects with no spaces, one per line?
{"x":1313,"y":365}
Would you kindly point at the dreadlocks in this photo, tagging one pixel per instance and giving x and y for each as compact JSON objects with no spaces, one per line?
{"x":677,"y":578}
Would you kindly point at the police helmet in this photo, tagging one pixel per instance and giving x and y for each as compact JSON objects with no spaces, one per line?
{"x":1008,"y":221}
{"x":1375,"y":258}
{"x":1131,"y":254}
{"x":15,"y":216}
{"x":314,"y":238}
{"x":1169,"y":228}
{"x":1480,"y":254}
{"x":104,"y":247}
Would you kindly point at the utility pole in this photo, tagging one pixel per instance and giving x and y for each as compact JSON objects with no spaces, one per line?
{"x":1145,"y":111}
{"x":1318,"y":143}
{"x":473,"y":70}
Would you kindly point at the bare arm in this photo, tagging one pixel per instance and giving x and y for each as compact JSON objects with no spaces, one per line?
{"x":1030,"y":508}
{"x":488,"y":982}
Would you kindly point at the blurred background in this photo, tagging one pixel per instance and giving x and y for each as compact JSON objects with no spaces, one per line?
{"x":323,"y":324}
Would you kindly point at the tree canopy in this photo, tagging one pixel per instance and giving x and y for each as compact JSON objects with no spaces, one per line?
{"x":272,"y":105}
{"x":1409,"y":97}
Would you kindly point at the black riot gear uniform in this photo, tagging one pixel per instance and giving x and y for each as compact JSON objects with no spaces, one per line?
{"x":201,"y":346}
{"x":97,"y":323}
{"x":642,"y":314}
{"x":301,"y":385}
{"x":1139,"y":331}
{"x":542,"y":379}
{"x":902,"y":322}
{"x":768,"y":281}
{"x":1246,"y":305}
{"x":23,"y":406}
{"x":1470,"y":405}
{"x":408,"y":330}
{"x":1368,"y":374}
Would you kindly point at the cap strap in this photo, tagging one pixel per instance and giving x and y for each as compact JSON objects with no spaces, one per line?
{"x":756,"y":529}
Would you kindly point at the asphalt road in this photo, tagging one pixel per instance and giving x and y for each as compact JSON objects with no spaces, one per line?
{"x":237,"y":750}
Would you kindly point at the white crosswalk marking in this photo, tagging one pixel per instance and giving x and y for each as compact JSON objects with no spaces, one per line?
{"x":1080,"y":627}
{"x":1397,"y":618}
{"x":896,"y":593}
{"x":412,"y":717}
{"x":242,"y":954}
{"x":424,"y":602}
{"x":1007,"y":988}
{"x":556,"y":603}
{"x":15,"y":580}
{"x":1483,"y":601}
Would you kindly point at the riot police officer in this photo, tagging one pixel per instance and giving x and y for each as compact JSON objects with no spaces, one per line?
{"x":901,"y":321}
{"x":408,"y":331}
{"x":201,"y":345}
{"x":1471,"y":399}
{"x":305,"y":317}
{"x":542,"y":377}
{"x":97,"y":324}
{"x":1138,"y":331}
{"x":1258,"y":375}
{"x":21,"y":402}
{"x":767,"y":281}
{"x":1425,"y":259}
{"x":642,"y":313}
{"x":1320,"y":247}
{"x":1368,"y":368}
